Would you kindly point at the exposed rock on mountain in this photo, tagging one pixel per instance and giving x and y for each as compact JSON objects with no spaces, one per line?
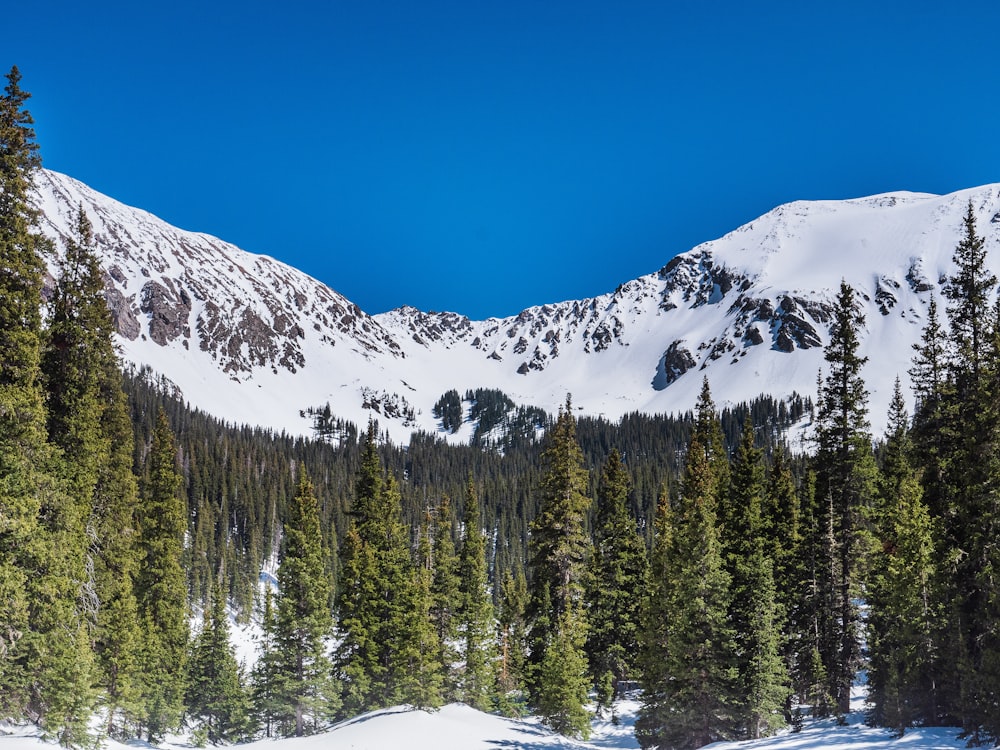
{"x":253,"y":340}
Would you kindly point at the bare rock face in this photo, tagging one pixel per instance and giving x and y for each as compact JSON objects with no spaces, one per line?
{"x":793,"y":327}
{"x":123,"y":312}
{"x":169,"y":307}
{"x":676,"y":361}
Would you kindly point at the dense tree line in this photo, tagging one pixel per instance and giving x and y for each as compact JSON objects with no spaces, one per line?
{"x":552,"y":562}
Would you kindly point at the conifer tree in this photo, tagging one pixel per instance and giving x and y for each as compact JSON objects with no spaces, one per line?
{"x":692,"y":703}
{"x":617,"y":571}
{"x":381,"y":606}
{"x":45,"y":514}
{"x":445,"y":590}
{"x":657,"y":692}
{"x":45,"y":655}
{"x":969,"y":491}
{"x":88,"y":420}
{"x":303,"y":620}
{"x":931,"y":387}
{"x":846,"y":474}
{"x":417,"y":662}
{"x":513,"y":636}
{"x":265,"y":687}
{"x":215,"y":694}
{"x":475,"y":613}
{"x":781,"y":516}
{"x":754,"y":610}
{"x":117,"y":634}
{"x":561,"y":677}
{"x":558,"y":554}
{"x":161,"y":593}
{"x":902,"y":620}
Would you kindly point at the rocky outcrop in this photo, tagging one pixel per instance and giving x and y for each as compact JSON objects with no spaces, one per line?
{"x":168,"y":308}
{"x":676,"y":361}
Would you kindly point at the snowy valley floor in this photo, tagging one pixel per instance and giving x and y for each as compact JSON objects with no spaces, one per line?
{"x":458,"y":727}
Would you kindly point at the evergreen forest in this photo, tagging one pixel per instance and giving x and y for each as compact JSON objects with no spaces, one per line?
{"x":736,"y":582}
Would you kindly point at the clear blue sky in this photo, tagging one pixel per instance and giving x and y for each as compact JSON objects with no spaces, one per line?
{"x":483,"y":157}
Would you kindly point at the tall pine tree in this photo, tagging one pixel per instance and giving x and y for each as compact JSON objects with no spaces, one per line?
{"x":845,"y":468}
{"x":902,"y":618}
{"x":475,"y":613}
{"x":382,"y":607}
{"x":215,"y":694}
{"x":304,"y":621}
{"x":46,"y":661}
{"x":558,"y":550}
{"x":692,"y":694}
{"x":754,"y":610}
{"x":161,"y":592}
{"x":617,"y":571}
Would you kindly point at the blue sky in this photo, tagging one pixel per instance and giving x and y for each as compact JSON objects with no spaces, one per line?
{"x":482,"y":157}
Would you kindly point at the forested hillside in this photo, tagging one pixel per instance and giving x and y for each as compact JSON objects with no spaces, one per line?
{"x":237,"y":479}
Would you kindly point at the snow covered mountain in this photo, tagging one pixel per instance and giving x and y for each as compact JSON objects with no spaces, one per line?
{"x":252,"y":340}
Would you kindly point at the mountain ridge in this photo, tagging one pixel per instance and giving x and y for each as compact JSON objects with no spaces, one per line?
{"x":253,"y":340}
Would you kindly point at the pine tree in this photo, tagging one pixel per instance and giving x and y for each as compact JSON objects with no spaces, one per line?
{"x":692,"y":696}
{"x":304,"y":621}
{"x":445,"y":590}
{"x":117,"y":635}
{"x":656,"y":680}
{"x":475,"y":613}
{"x":161,"y":593}
{"x":846,"y":474}
{"x":377,"y":658}
{"x":617,"y":571}
{"x":21,"y":248}
{"x":215,"y":695}
{"x":558,"y":553}
{"x":265,"y":679}
{"x":931,"y":387}
{"x":902,"y":618}
{"x":562,"y":677}
{"x":45,"y":657}
{"x":781,"y":516}
{"x":513,"y":636}
{"x":754,"y":610}
{"x":417,"y":661}
{"x":967,"y":503}
{"x":88,"y":420}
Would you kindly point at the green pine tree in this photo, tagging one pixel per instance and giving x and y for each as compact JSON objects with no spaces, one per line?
{"x":445,"y":590}
{"x":846,"y":486}
{"x":754,"y":611}
{"x":969,"y":491}
{"x":655,"y":678}
{"x":558,"y":549}
{"x":562,"y":677}
{"x":513,"y":637}
{"x":161,"y":593}
{"x":902,"y":620}
{"x":117,"y":635}
{"x":303,"y":620}
{"x":475,"y":612}
{"x":692,"y":702}
{"x":215,"y":694}
{"x":380,"y":607}
{"x":265,"y":688}
{"x":417,"y":662}
{"x":617,"y":571}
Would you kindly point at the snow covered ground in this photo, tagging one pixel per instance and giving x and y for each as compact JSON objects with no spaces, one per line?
{"x":458,"y":727}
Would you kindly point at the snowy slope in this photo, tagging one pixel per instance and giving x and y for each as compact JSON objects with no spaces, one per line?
{"x":458,"y":727}
{"x":250,"y":339}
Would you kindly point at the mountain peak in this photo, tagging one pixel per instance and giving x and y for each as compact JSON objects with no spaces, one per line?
{"x":253,"y":340}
